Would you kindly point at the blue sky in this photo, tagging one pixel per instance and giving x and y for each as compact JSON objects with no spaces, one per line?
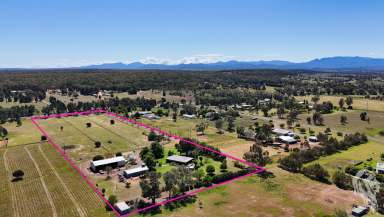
{"x":54,"y":33}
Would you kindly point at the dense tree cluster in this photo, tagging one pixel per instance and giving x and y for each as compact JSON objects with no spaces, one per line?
{"x":295,"y":160}
{"x":14,"y":113}
{"x":193,"y":151}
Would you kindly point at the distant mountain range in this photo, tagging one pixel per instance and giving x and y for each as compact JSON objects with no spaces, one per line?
{"x":328,"y":63}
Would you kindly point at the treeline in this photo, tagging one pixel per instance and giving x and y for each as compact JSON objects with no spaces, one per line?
{"x":90,"y":81}
{"x":124,"y":105}
{"x":333,"y":84}
{"x":14,"y":113}
{"x":193,"y":151}
{"x":21,"y":96}
{"x":219,"y":97}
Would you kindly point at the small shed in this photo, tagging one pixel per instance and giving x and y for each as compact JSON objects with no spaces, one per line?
{"x":189,"y":116}
{"x":313,"y":139}
{"x":360,"y":211}
{"x":122,"y":207}
{"x":179,"y":159}
{"x":133,"y":172}
{"x":380,"y":168}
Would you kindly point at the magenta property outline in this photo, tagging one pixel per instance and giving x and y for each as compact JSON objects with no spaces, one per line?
{"x":35,"y":119}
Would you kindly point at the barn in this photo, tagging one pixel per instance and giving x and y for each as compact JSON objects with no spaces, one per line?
{"x":112,"y":162}
{"x":133,"y":172}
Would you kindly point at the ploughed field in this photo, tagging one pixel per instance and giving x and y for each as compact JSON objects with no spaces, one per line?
{"x":50,"y":187}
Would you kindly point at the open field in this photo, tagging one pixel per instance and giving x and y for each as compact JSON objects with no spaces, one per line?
{"x":354,"y":123}
{"x":49,"y":187}
{"x":359,"y":102}
{"x":115,"y":138}
{"x":273,"y":197}
{"x":27,"y":133}
{"x":359,"y":153}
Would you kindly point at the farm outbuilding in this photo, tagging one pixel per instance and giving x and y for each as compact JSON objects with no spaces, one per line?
{"x":179,"y":159}
{"x":133,"y":172}
{"x":122,"y":207}
{"x":189,"y":116}
{"x":112,"y":162}
{"x":282,"y":132}
{"x":360,"y":211}
{"x":313,"y":139}
{"x":287,"y":140}
{"x":380,"y":168}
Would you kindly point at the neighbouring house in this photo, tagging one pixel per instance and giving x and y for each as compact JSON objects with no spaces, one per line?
{"x":189,"y":116}
{"x":282,"y":132}
{"x":122,"y":207}
{"x":151,"y":116}
{"x":313,"y":139}
{"x":144,"y":112}
{"x":360,"y":211}
{"x":264,"y":101}
{"x":179,"y":159}
{"x":380,"y":168}
{"x":247,"y":134}
{"x":287,"y":140}
{"x":112,"y":162}
{"x":134,"y":172}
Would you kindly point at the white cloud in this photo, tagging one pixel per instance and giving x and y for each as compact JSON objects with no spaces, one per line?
{"x":199,"y":58}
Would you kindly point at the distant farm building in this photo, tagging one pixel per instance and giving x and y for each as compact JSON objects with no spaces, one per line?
{"x":189,"y":116}
{"x":287,"y":140}
{"x":282,"y":132}
{"x":380,"y":168}
{"x":112,"y":162}
{"x":122,"y":207}
{"x":264,"y":101}
{"x":144,"y":112}
{"x":138,"y":171}
{"x":151,"y":116}
{"x":313,"y":139}
{"x":179,"y":159}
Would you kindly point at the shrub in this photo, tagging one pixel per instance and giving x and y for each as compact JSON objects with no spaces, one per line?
{"x":302,"y":130}
{"x":97,"y":144}
{"x":351,"y":170}
{"x":152,"y":136}
{"x":316,"y":172}
{"x":43,"y":138}
{"x":112,"y":122}
{"x":89,"y":125}
{"x":18,"y":174}
{"x":210,"y":170}
{"x":342,"y":180}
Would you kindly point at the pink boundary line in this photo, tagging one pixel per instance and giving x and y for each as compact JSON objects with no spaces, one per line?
{"x":124,"y":120}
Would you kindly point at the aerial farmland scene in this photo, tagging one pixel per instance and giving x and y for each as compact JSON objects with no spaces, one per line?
{"x":248,"y":108}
